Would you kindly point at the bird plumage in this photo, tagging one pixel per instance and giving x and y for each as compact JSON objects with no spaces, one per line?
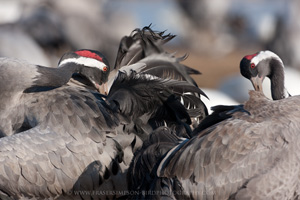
{"x":146,"y":46}
{"x":79,"y":131}
{"x":143,"y":52}
{"x":240,"y":155}
{"x":243,"y":152}
{"x":143,"y":183}
{"x":76,"y":139}
{"x":21,"y":81}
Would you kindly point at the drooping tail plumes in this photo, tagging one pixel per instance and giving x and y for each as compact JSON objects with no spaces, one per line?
{"x":144,"y":53}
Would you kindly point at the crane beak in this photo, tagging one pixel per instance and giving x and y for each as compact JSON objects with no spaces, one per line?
{"x":257,"y":83}
{"x":103,"y":89}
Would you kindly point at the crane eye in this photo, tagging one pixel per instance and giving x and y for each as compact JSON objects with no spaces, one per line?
{"x":105,"y":68}
{"x":252,"y":65}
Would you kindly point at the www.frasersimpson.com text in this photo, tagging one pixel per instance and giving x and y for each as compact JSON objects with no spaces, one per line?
{"x":126,"y":193}
{"x":117,"y":193}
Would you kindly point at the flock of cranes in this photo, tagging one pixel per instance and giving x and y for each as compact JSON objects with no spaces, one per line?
{"x":140,"y":130}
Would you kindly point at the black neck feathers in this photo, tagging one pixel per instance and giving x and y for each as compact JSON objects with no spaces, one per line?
{"x":50,"y":78}
{"x":277,"y":79}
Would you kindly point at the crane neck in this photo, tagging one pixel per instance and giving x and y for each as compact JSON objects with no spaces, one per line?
{"x":277,"y":80}
{"x":55,"y":77}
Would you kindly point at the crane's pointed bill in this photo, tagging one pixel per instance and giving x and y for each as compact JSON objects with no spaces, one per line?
{"x":257,"y":83}
{"x":103,"y":89}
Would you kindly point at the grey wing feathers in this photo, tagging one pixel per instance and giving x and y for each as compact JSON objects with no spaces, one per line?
{"x":218,"y":164}
{"x":140,"y":44}
{"x":157,"y":101}
{"x":146,"y":46}
{"x":67,"y":133}
{"x":166,"y":65}
{"x":26,"y":165}
{"x":143,"y":53}
{"x":160,"y":90}
{"x":40,"y":163}
{"x":66,"y":108}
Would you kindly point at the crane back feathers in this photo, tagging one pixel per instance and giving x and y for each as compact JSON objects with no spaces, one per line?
{"x":236,"y":158}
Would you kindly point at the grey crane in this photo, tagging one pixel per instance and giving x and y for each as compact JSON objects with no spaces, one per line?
{"x":241,"y":152}
{"x":256,"y":67}
{"x":71,"y":142}
{"x":22,"y":83}
{"x":74,"y":139}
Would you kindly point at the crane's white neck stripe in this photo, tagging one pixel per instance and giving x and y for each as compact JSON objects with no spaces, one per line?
{"x":265,"y":55}
{"x":89,"y":62}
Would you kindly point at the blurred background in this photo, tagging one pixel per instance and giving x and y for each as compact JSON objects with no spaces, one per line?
{"x":216,"y":34}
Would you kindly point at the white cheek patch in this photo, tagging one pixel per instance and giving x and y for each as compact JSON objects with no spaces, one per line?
{"x":89,"y":62}
{"x":264,"y":55}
